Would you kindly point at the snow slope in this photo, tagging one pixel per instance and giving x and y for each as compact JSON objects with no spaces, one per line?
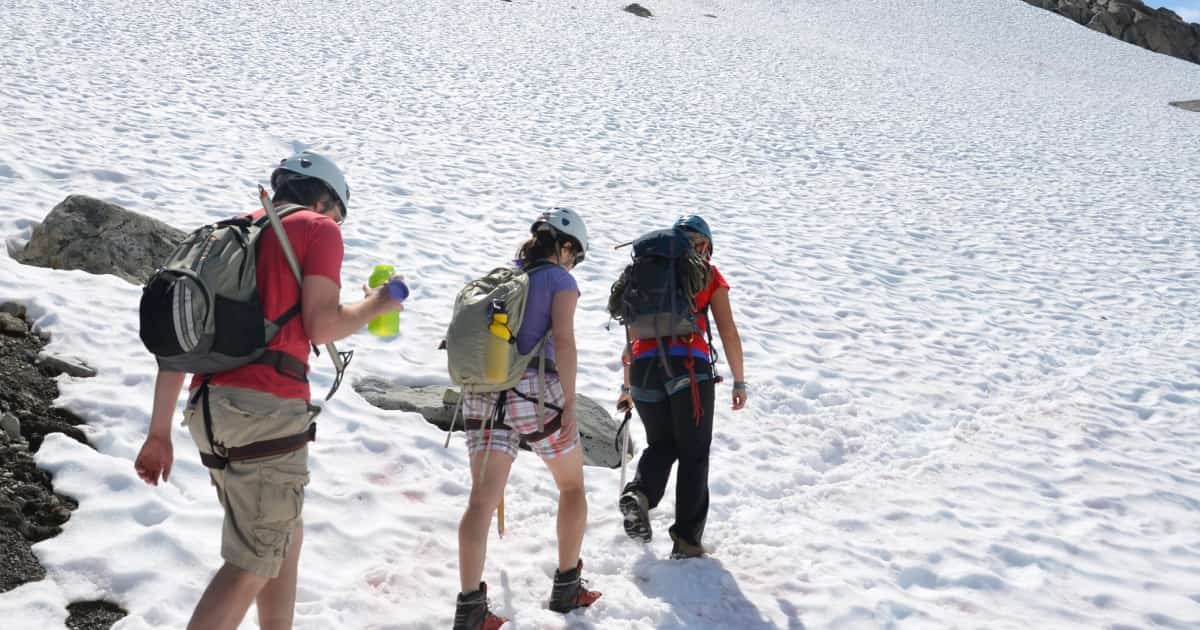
{"x":962,"y":239}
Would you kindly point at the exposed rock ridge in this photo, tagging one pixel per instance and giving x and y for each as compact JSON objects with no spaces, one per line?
{"x":1160,"y":30}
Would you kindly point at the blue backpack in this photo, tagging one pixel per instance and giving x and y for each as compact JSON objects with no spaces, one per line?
{"x":655,"y":296}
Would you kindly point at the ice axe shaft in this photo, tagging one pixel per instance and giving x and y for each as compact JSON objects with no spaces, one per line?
{"x":624,"y":447}
{"x":500,"y":517}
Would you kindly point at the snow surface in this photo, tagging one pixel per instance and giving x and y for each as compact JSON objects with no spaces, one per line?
{"x":962,"y":239}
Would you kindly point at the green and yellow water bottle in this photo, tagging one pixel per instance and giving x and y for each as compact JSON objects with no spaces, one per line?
{"x":496,"y":352}
{"x":388,"y":324}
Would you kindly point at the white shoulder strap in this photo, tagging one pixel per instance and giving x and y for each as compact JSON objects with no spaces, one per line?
{"x":277,"y":225}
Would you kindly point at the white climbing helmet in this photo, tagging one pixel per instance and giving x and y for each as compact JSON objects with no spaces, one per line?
{"x":317,"y":166}
{"x":564,"y":221}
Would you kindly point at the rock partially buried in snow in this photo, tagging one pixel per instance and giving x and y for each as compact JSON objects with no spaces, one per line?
{"x":12,"y":325}
{"x":598,"y":431}
{"x":12,"y":308}
{"x":1191,"y":106}
{"x":638,"y":10}
{"x":101,"y":238}
{"x":74,"y":366}
{"x":427,"y":400}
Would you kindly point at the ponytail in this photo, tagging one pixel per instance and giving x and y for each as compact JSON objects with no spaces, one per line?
{"x":541,"y":245}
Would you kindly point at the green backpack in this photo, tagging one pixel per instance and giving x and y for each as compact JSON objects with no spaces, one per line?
{"x":481,"y":340}
{"x":470,"y":340}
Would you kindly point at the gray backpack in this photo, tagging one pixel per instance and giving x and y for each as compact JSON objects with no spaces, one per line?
{"x":503,"y":291}
{"x":470,"y":339}
{"x":201,"y":312}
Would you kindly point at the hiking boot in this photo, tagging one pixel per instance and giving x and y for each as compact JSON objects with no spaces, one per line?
{"x":472,"y":611}
{"x":635,"y":509}
{"x":569,"y":591}
{"x":683,"y":549}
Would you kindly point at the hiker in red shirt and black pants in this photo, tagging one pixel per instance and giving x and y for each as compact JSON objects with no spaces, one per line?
{"x":679,"y":424}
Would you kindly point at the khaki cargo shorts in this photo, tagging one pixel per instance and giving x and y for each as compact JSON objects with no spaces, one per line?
{"x":263,"y":498}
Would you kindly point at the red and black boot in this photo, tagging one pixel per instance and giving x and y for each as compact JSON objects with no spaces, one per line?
{"x":570,"y":591}
{"x":472,"y":612}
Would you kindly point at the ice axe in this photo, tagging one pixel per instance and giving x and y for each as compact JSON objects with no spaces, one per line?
{"x":623,"y":431}
{"x":500,"y":517}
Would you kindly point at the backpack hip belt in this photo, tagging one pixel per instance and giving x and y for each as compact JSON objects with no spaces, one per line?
{"x":221,"y":455}
{"x":496,"y":422}
{"x":549,"y":429}
{"x":265,"y":448}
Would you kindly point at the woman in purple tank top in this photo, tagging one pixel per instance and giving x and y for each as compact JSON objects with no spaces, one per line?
{"x":497,"y":423}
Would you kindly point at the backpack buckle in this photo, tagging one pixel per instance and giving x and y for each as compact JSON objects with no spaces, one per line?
{"x":218,"y":459}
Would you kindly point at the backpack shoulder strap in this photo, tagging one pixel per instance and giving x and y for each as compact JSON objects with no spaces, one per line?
{"x":713,"y":357}
{"x":282,"y":211}
{"x":339,"y":363}
{"x":541,"y":397}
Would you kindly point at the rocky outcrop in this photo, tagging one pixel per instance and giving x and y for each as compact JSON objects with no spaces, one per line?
{"x":30,"y":509}
{"x":1160,"y":30}
{"x":27,"y":385}
{"x":598,"y":432}
{"x":101,"y":238}
{"x":1191,"y":106}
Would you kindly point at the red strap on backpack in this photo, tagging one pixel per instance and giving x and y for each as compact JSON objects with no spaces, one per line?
{"x":690,"y":363}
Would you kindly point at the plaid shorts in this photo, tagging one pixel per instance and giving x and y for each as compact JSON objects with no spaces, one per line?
{"x":520,"y":414}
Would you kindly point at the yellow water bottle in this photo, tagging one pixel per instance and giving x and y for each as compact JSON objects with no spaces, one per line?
{"x":388,"y":324}
{"x":496,"y":353}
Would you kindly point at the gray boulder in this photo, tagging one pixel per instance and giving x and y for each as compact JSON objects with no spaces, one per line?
{"x":638,"y":10}
{"x":12,"y":325}
{"x":433,"y":402}
{"x":100,"y":237}
{"x":52,"y":365}
{"x":598,"y":431}
{"x":13,"y":308}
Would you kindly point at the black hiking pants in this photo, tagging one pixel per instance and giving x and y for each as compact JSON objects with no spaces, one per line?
{"x":674,"y":434}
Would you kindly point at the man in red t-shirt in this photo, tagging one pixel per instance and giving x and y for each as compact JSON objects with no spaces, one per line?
{"x":263,"y":408}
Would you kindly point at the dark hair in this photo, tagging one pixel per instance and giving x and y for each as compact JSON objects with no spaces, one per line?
{"x":543,"y":244}
{"x":305,"y":191}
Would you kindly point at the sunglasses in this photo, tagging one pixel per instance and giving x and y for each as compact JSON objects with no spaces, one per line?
{"x":577,"y":257}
